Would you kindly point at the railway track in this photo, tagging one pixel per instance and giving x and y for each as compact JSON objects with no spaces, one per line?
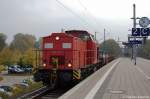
{"x":53,"y":94}
{"x":36,"y":93}
{"x":45,"y":93}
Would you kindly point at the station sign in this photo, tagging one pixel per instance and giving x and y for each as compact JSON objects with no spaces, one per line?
{"x":140,"y":31}
{"x":135,"y":42}
{"x":136,"y":32}
{"x":127,"y":44}
{"x":145,"y":31}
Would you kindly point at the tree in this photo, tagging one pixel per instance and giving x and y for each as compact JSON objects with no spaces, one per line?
{"x":144,"y":50}
{"x":29,"y":57}
{"x":22,"y":42}
{"x":5,"y":56}
{"x":15,"y":57}
{"x":111,"y":47}
{"x":2,"y":41}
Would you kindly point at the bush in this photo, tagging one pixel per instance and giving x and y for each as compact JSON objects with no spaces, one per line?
{"x":2,"y":68}
{"x":19,"y":90}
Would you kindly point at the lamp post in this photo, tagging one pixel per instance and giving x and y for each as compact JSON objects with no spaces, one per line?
{"x":134,"y":26}
{"x":104,"y":52}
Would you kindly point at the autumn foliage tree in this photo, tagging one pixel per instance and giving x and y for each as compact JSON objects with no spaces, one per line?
{"x":111,"y":47}
{"x":20,"y":51}
{"x":22,"y":42}
{"x":29,"y":57}
{"x":2,"y":41}
{"x":6,"y":56}
{"x":144,"y":50}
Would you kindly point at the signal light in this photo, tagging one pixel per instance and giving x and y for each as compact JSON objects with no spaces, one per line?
{"x":44,"y":65}
{"x":69,"y":65}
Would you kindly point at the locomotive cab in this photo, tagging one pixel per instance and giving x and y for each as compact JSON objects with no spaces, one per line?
{"x":57,"y":51}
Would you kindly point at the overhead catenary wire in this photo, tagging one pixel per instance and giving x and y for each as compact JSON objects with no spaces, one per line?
{"x":86,"y":9}
{"x":75,"y":14}
{"x":93,"y":18}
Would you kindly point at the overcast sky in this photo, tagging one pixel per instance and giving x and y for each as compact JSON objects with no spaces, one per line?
{"x":41,"y":17}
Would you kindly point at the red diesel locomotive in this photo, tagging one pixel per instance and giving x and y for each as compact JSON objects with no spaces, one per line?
{"x":67,"y":57}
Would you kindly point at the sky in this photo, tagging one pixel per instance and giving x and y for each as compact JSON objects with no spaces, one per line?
{"x":42,"y":17}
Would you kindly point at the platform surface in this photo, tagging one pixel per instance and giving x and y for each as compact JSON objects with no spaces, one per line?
{"x":120,"y":79}
{"x":127,"y":81}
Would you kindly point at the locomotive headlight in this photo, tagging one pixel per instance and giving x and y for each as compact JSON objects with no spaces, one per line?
{"x":57,"y":38}
{"x":44,"y":65}
{"x":69,"y":65}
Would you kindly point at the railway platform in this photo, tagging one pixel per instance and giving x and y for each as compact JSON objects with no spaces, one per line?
{"x":120,"y":79}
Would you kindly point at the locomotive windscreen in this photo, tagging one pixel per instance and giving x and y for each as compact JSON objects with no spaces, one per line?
{"x":84,"y":35}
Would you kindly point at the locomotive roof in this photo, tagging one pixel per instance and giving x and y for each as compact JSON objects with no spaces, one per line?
{"x":83,"y":31}
{"x":81,"y":34}
{"x":57,"y":34}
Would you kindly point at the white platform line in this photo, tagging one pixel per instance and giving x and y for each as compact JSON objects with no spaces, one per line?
{"x":148,"y":77}
{"x":93,"y":91}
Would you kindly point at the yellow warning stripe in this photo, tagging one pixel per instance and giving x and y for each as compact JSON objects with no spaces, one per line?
{"x":76,"y":74}
{"x":75,"y":77}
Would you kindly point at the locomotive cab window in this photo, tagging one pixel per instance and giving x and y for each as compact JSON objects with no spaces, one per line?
{"x":92,"y":37}
{"x":48,"y":45}
{"x":84,"y":36}
{"x":66,"y":45}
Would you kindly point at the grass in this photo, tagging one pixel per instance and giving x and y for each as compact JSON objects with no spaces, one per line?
{"x":2,"y":68}
{"x":4,"y":95}
{"x":19,"y":74}
{"x":19,"y":90}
